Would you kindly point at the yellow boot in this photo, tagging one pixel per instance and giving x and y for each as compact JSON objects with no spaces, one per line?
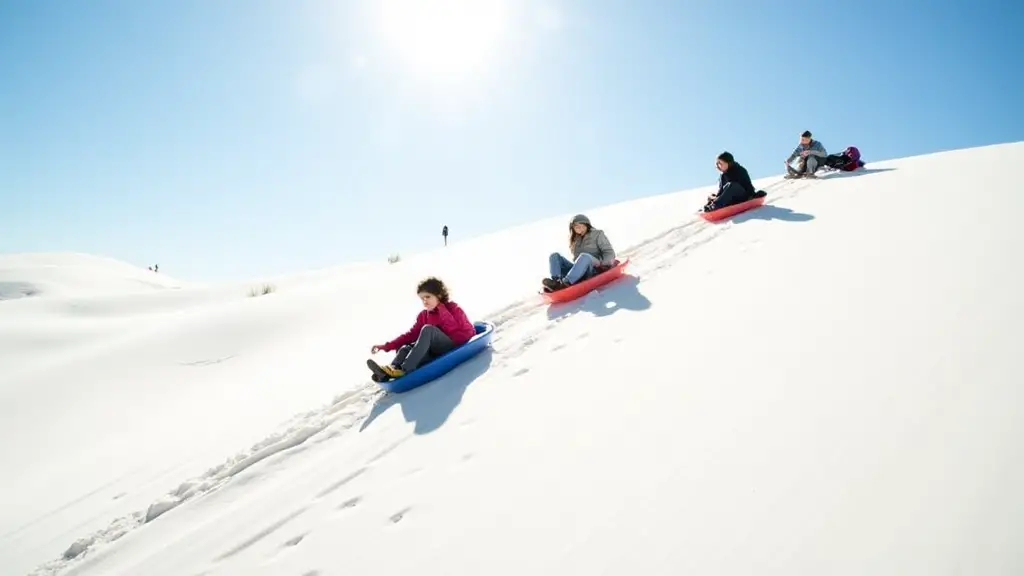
{"x":392,"y":371}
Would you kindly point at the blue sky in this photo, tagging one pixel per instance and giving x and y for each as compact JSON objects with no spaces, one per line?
{"x":232,"y":139}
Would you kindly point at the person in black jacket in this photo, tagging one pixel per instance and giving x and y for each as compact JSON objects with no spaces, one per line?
{"x":734,"y":185}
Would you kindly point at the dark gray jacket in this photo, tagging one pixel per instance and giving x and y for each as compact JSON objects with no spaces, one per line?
{"x":597,"y":245}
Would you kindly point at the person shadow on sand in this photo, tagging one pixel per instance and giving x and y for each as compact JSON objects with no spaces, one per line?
{"x":429,"y":406}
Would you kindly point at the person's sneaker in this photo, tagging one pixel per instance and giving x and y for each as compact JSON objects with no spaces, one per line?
{"x":379,"y":374}
{"x":392,"y":371}
{"x":553,"y":284}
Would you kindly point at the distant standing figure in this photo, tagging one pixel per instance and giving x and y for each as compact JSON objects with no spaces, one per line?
{"x":156,"y":268}
{"x":444,"y":232}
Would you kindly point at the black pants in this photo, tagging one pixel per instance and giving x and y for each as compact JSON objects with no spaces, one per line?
{"x":837,"y":161}
{"x":732,"y":193}
{"x":431,"y":344}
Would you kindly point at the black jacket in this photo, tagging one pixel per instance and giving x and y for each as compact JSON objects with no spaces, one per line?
{"x":736,"y":174}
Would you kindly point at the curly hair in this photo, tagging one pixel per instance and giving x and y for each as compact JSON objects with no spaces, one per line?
{"x":435,"y":286}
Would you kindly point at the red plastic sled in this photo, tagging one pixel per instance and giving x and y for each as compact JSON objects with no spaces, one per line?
{"x":723,"y":213}
{"x":576,"y":290}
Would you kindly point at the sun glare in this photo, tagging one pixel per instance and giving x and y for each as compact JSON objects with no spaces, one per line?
{"x":443,"y":39}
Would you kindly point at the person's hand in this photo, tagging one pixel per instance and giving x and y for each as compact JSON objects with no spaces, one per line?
{"x":804,"y":153}
{"x":376,"y":348}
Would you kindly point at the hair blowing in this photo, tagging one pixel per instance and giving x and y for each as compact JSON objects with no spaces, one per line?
{"x":434,"y":286}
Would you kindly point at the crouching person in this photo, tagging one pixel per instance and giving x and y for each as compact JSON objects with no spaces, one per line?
{"x":812,"y":156}
{"x":439,"y":328}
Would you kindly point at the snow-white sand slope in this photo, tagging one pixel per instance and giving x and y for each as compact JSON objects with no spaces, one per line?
{"x":827,"y":385}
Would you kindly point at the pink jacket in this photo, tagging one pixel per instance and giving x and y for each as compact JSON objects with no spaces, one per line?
{"x":448,"y":317}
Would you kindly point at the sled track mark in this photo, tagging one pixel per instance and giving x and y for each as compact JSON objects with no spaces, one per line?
{"x":386,"y":451}
{"x":207,"y":362}
{"x":341,"y":412}
{"x":260,"y":535}
{"x":341,"y":483}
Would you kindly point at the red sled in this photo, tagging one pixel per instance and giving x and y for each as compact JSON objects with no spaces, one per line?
{"x":579,"y":289}
{"x":728,"y":211}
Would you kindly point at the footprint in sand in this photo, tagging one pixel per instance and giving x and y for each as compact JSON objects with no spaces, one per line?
{"x":350,"y":503}
{"x":398,"y":516}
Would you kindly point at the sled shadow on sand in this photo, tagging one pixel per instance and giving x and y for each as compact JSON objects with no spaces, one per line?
{"x":622,"y":294}
{"x":772,"y":212}
{"x":429,"y":406}
{"x":856,"y":173}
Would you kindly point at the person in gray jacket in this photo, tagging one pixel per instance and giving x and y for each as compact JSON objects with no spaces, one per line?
{"x":591,"y":251}
{"x":812,"y":154}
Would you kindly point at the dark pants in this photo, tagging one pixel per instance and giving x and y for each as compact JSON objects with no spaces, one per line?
{"x":838,"y":161}
{"x":732,"y":193}
{"x":431,"y":344}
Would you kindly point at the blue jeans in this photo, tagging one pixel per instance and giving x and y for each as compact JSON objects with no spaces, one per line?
{"x":572,"y":272}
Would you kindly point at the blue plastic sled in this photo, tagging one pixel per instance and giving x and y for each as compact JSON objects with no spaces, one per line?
{"x":443,"y":364}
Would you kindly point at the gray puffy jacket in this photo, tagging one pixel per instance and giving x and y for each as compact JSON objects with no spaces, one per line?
{"x":597,"y":245}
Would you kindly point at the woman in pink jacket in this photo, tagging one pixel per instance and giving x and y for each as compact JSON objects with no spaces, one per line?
{"x":439,"y":328}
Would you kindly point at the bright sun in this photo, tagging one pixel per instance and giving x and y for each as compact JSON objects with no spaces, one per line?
{"x":443,"y":39}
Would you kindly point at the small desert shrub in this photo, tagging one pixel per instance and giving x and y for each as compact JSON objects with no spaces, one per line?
{"x":394,"y":258}
{"x":261,"y":290}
